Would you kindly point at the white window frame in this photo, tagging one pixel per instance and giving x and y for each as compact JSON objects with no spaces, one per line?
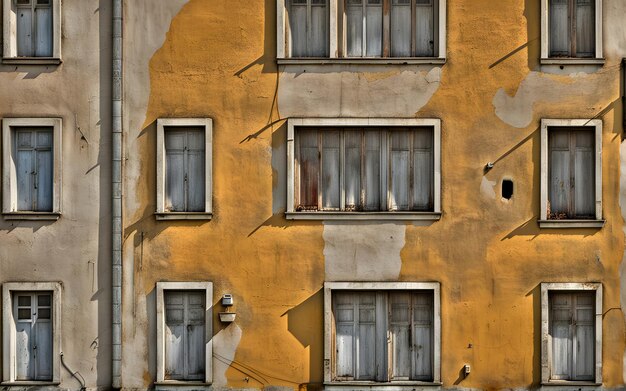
{"x":9,"y":28}
{"x":329,"y":287}
{"x":8,"y":330}
{"x":9,"y":175}
{"x":544,"y":221}
{"x":545,"y":39}
{"x":293,"y":123}
{"x":336,"y":41}
{"x":546,"y":341}
{"x":207,"y":124}
{"x":161,"y":382}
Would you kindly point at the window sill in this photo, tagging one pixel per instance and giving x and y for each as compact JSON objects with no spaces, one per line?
{"x":50,"y":216}
{"x":571,"y":224}
{"x":390,"y":386}
{"x":31,"y":61}
{"x":572,"y":61}
{"x":29,"y":383}
{"x":376,"y":216}
{"x":180,"y":385}
{"x":183,"y":215}
{"x":363,"y":61}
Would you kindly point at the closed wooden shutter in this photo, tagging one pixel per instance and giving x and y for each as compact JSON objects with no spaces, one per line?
{"x":184,"y":335}
{"x":34,"y":28}
{"x":34,"y":169}
{"x":33,"y":336}
{"x":352,"y":169}
{"x":308,"y":169}
{"x":572,"y":330}
{"x":572,"y":29}
{"x":43,"y":28}
{"x":559,"y":28}
{"x":572,"y":173}
{"x":185,"y":169}
{"x":364,"y":28}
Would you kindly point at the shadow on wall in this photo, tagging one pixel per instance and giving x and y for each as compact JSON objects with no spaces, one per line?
{"x":310,"y":334}
{"x":536,"y":295}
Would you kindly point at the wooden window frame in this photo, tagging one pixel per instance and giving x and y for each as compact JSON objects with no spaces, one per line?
{"x":337,"y":41}
{"x":544,"y":218}
{"x":9,"y":174}
{"x":9,"y":337}
{"x":207,"y":124}
{"x":9,"y":25}
{"x":546,"y":59}
{"x":329,"y":335}
{"x":391,"y":123}
{"x":546,"y":340}
{"x":161,"y":383}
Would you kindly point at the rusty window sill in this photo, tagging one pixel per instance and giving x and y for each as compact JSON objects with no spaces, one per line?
{"x":31,"y":61}
{"x":572,"y":61}
{"x":184,"y":216}
{"x":371,"y":216}
{"x":571,"y":224}
{"x":363,"y":61}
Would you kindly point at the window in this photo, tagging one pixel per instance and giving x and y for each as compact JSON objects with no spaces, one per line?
{"x":571,"y":176}
{"x":572,"y":332}
{"x":184,"y":333}
{"x":32,"y":31}
{"x":572,"y":30}
{"x":32,"y":165}
{"x":31,"y":332}
{"x":353,"y":168}
{"x":382,"y":333}
{"x":184,"y":168}
{"x":362,"y":30}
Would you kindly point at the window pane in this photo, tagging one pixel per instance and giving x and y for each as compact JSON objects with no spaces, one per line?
{"x":372,"y":170}
{"x":559,"y":160}
{"x":366,"y":348}
{"x":297,"y":25}
{"x":330,"y":170}
{"x":400,"y":28}
{"x":23,"y":313}
{"x":354,"y":28}
{"x":43,"y":180}
{"x":343,"y":305}
{"x":43,"y":38}
{"x":400,"y":330}
{"x":584,"y":174}
{"x":174,"y":170}
{"x":352,"y":170}
{"x":309,"y":169}
{"x":318,"y":31}
{"x":196,"y":170}
{"x":43,"y":300}
{"x":422,"y":349}
{"x":24,"y":32}
{"x":559,"y":28}
{"x":43,"y":313}
{"x":374,"y":28}
{"x":424,"y":30}
{"x":585,"y":28}
{"x":23,"y":301}
{"x":400,"y":169}
{"x":25,"y":169}
{"x":423,"y":170}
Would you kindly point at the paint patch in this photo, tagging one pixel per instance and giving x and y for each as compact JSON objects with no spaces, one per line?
{"x":517,"y":110}
{"x":363,"y":252}
{"x":347,"y":91}
{"x":487,"y":188}
{"x":224,"y":347}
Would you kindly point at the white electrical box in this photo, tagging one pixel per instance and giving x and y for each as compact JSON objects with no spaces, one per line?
{"x":227,"y":300}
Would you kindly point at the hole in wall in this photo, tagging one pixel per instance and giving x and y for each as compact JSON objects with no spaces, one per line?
{"x":507,"y":189}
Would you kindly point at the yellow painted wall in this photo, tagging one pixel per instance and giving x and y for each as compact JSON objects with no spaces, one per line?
{"x":217,"y":59}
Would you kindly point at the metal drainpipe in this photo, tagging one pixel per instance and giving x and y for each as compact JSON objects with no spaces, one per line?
{"x":116,"y":206}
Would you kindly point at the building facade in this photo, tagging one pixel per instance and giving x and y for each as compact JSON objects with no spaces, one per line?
{"x":316,"y":194}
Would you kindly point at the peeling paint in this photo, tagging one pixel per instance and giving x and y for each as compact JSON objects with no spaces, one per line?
{"x":519,"y":110}
{"x":363,"y":252}
{"x":487,"y":188}
{"x":225,"y":344}
{"x":350,"y":91}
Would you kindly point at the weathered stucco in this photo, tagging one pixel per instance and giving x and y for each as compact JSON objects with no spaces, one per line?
{"x":74,"y":250}
{"x":217,"y":60}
